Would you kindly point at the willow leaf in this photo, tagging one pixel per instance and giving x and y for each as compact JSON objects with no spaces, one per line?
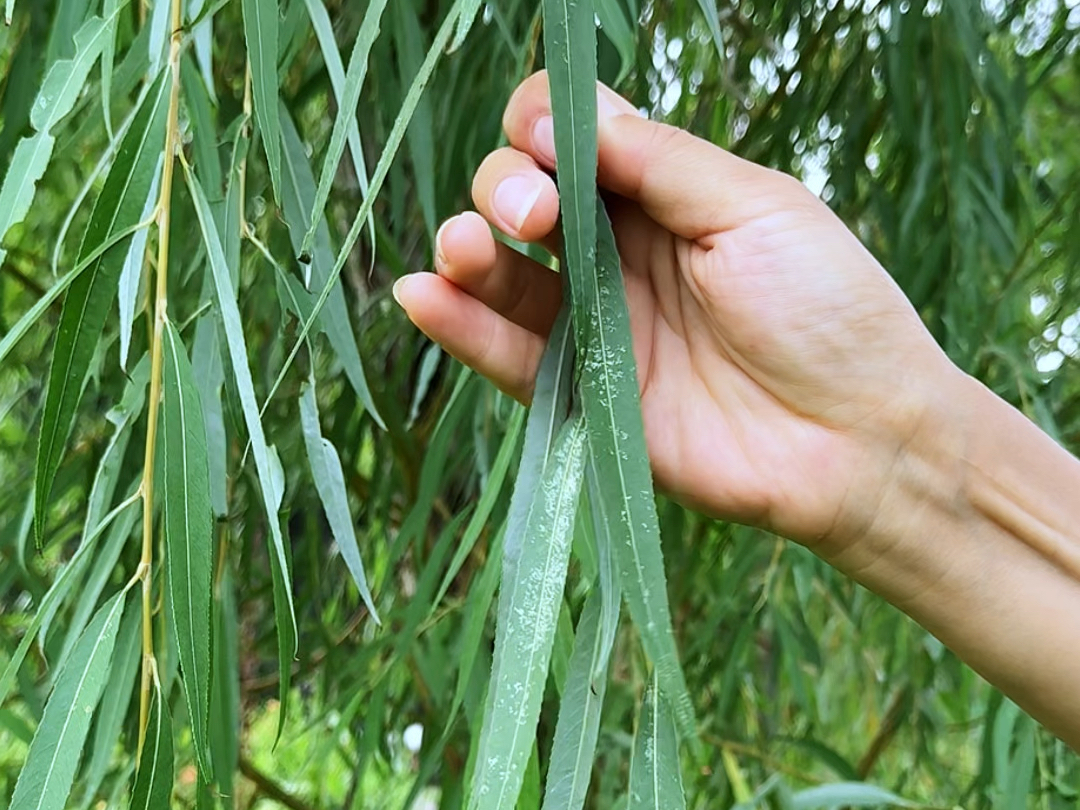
{"x":92,"y":292}
{"x":486,"y":503}
{"x":284,"y":611}
{"x":324,"y":33}
{"x":570,"y":53}
{"x":655,"y":775}
{"x":712,"y":19}
{"x":188,"y":524}
{"x":47,"y":776}
{"x":298,"y":196}
{"x":578,"y":725}
{"x":382,"y":168}
{"x":624,"y":488}
{"x":9,"y":9}
{"x":66,"y":78}
{"x":202,"y":38}
{"x":526,"y":632}
{"x":158,"y":33}
{"x":330,"y":484}
{"x":28,"y":164}
{"x":619,"y":31}
{"x":154,"y":777}
{"x":57,"y":592}
{"x":114,"y":701}
{"x":465,"y":24}
{"x":857,"y":794}
{"x":606,"y":551}
{"x":346,"y":117}
{"x":225,"y":687}
{"x":131,"y":274}
{"x":261,"y":36}
{"x":108,"y":59}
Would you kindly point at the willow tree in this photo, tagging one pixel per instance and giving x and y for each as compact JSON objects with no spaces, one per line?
{"x":262,"y":543}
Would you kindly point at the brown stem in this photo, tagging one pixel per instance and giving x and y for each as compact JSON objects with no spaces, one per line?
{"x":269,"y":788}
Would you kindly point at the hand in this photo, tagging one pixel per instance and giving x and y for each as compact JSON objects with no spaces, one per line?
{"x":782,"y":371}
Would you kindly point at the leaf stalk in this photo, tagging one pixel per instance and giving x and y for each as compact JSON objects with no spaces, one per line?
{"x":164,"y":212}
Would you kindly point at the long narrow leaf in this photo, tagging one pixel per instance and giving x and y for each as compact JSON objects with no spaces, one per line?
{"x":298,"y":194}
{"x":524,"y":638}
{"x":47,"y":776}
{"x":91,"y":294}
{"x":578,"y":726}
{"x":154,"y":777}
{"x":346,"y":118}
{"x":261,"y":36}
{"x":285,"y":614}
{"x":382,"y":168}
{"x":188,"y":524}
{"x":655,"y":773}
{"x":330,"y":484}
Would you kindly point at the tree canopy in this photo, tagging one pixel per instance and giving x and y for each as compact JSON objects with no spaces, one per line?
{"x":317,"y":574}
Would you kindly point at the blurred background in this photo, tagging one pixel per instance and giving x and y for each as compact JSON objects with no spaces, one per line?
{"x":946,"y":134}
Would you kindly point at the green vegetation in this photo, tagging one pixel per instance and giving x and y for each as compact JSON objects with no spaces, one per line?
{"x":258,"y":528}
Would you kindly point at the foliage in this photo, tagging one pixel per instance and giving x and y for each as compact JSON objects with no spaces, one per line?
{"x":360,"y":482}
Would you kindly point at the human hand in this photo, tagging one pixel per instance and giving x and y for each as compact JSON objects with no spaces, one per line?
{"x":783,"y":373}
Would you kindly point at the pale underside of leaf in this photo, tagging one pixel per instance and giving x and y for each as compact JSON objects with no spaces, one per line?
{"x":655,"y":772}
{"x":524,"y":639}
{"x":330,"y":485}
{"x":154,"y":777}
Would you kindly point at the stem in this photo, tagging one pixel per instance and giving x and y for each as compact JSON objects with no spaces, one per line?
{"x":160,"y":307}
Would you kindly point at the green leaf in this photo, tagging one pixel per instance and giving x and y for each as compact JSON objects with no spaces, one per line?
{"x":56,"y":594}
{"x":324,"y":33}
{"x":330,"y":484}
{"x":154,"y":777}
{"x":114,"y":701}
{"x":108,"y":59}
{"x":486,"y":503}
{"x":298,"y":193}
{"x":188,"y":525}
{"x":225,"y":687}
{"x":620,"y":31}
{"x":465,"y":24}
{"x":346,"y":118}
{"x":578,"y":726}
{"x":712,"y":19}
{"x":846,"y":794}
{"x":284,"y":612}
{"x":382,"y":168}
{"x":606,"y":551}
{"x":570,"y":53}
{"x":46,"y":778}
{"x":408,"y":47}
{"x":261,"y":36}
{"x":66,"y":78}
{"x":131,"y":275}
{"x":655,"y":775}
{"x":624,"y":488}
{"x":27,"y":166}
{"x":91,"y":293}
{"x":526,"y":631}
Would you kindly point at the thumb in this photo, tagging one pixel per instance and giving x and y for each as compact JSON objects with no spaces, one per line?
{"x":686,"y":184}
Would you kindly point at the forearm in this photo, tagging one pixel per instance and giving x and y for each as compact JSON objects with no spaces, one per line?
{"x":979,"y":541}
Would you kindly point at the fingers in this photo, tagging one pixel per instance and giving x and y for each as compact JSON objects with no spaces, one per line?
{"x":504,"y":352}
{"x":521,"y":290}
{"x":686,"y":184}
{"x":516,"y":196}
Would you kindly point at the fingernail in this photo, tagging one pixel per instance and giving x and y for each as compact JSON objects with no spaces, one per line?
{"x":440,"y":255}
{"x":543,"y":138}
{"x":399,"y":285}
{"x":515,"y":198}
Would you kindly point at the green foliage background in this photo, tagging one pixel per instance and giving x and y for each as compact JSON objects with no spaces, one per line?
{"x":943,"y":133}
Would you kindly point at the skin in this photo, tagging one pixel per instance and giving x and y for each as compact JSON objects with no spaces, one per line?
{"x":786,"y":383}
